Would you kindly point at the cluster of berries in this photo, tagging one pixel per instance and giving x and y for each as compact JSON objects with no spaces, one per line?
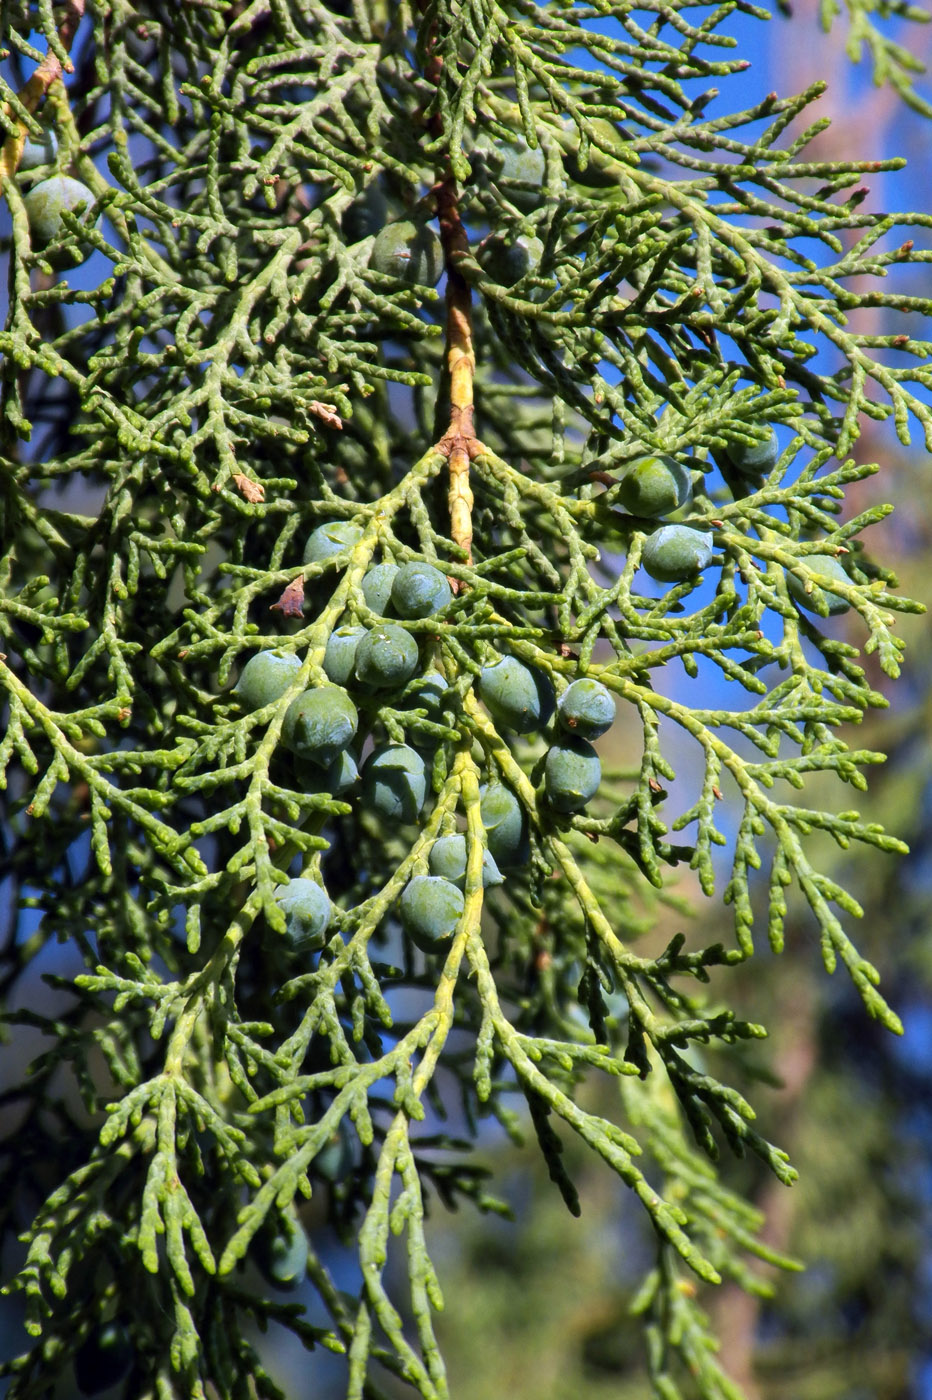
{"x":321,"y":723}
{"x":656,"y":486}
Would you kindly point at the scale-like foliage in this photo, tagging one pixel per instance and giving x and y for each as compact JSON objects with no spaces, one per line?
{"x":891,"y":61}
{"x":248,"y":357}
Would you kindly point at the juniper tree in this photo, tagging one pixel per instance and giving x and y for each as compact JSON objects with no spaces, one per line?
{"x":317,"y":594}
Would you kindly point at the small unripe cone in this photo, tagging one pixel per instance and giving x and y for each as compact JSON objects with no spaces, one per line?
{"x":330,"y":538}
{"x":430,"y":909}
{"x":448,"y":860}
{"x":41,"y":152}
{"x":519,"y":697}
{"x":827,"y":569}
{"x":282,"y":1256}
{"x":755,"y":458}
{"x":377,"y":587}
{"x":46,"y":203}
{"x":419,"y":590}
{"x":676,"y":552}
{"x":586,"y":708}
{"x":654,"y":486}
{"x":265,"y":677}
{"x":320,"y":723}
{"x":572,"y":773}
{"x":507,"y":262}
{"x":340,"y":655}
{"x":410,"y":251}
{"x":307,"y":910}
{"x":505,"y":825}
{"x":386,"y":656}
{"x":394,"y":782}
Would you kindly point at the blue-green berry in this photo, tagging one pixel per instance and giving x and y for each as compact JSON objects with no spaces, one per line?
{"x":386,"y":656}
{"x":572,"y":773}
{"x":338,"y":779}
{"x":430,"y":909}
{"x":586,"y":708}
{"x":520,"y":162}
{"x":41,"y":152}
{"x":505,"y":825}
{"x":282,"y":1255}
{"x":337,"y":1158}
{"x":655,"y":486}
{"x":595,"y":174}
{"x":103,"y":1358}
{"x":340,"y":655}
{"x":419,"y":590}
{"x":518,"y":697}
{"x":367,"y":214}
{"x":409,"y":251}
{"x":827,"y":570}
{"x":507,"y":261}
{"x":377,"y":587}
{"x":676,"y":552}
{"x":46,"y":205}
{"x":307,"y":910}
{"x":448,"y":860}
{"x":755,"y":458}
{"x":297,"y":94}
{"x":394,"y":782}
{"x":330,"y":538}
{"x":319,"y":724}
{"x":265,"y":677}
{"x":430,"y":692}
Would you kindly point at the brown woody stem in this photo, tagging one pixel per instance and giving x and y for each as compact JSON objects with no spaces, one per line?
{"x":459,"y":441}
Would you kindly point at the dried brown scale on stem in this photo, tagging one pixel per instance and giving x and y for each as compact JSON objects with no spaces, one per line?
{"x":33,"y":91}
